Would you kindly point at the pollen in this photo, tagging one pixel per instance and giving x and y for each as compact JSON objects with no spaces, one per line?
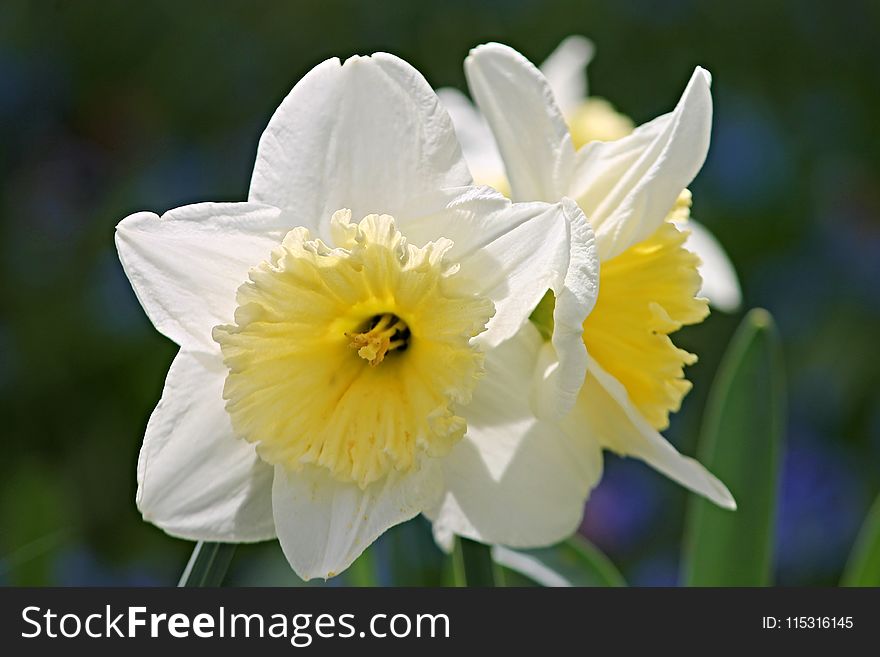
{"x":353,"y":356}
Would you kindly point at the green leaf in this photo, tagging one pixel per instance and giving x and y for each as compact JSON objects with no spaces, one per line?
{"x":473,"y":565}
{"x":207,"y":565}
{"x":574,"y":562}
{"x":863,"y":567}
{"x":363,"y":571}
{"x":741,"y":443}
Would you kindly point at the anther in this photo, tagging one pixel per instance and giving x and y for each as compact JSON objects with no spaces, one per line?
{"x":384,"y":333}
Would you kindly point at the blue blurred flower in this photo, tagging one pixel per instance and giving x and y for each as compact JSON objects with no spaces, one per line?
{"x":821,"y":509}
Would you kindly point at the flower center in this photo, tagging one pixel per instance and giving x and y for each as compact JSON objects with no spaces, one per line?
{"x":354,"y":358}
{"x":383,"y":333}
{"x":646,"y":293}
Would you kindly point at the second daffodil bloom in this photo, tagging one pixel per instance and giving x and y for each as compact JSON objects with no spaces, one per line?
{"x":351,"y":337}
{"x":648,"y":281}
{"x":589,"y":118}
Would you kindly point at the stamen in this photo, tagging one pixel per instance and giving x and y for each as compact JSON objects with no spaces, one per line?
{"x":386,"y":332}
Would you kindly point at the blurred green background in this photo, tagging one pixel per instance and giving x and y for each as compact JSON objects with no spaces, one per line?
{"x":107,"y":108}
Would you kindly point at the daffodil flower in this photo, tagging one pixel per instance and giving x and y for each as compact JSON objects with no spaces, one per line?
{"x":648,"y":280}
{"x":355,"y":336}
{"x":589,"y":118}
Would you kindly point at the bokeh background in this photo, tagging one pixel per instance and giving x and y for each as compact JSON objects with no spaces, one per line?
{"x":107,"y":108}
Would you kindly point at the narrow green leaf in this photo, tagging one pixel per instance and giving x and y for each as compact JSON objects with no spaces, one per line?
{"x":863,"y":567}
{"x":741,"y":443}
{"x":574,"y":562}
{"x":473,"y":565}
{"x":207,"y":565}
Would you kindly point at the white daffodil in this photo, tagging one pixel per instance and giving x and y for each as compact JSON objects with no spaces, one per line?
{"x":589,"y":118}
{"x":354,"y":342}
{"x":648,"y":280}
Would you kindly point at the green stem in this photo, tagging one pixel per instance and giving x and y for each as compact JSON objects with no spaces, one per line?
{"x":473,"y":565}
{"x":208,"y":564}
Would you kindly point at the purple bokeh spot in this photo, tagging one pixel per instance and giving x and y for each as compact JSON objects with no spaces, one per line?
{"x":621,"y":507}
{"x":821,"y":509}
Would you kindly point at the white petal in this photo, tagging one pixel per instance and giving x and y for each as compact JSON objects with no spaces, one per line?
{"x":531,"y":133}
{"x":324,"y":525}
{"x":565,"y":358}
{"x":565,"y":70}
{"x":720,"y":283}
{"x":475,"y":137}
{"x":605,"y":412}
{"x":196,"y":480}
{"x":186,"y":265}
{"x":365,"y":135}
{"x":626,"y":187}
{"x":513,"y":253}
{"x":514,"y":479}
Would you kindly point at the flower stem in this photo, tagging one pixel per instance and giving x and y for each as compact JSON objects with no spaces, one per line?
{"x":207,"y":565}
{"x":473,"y":565}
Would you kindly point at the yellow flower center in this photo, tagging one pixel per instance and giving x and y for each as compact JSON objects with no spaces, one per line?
{"x":646,"y":293}
{"x":353,"y":358}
